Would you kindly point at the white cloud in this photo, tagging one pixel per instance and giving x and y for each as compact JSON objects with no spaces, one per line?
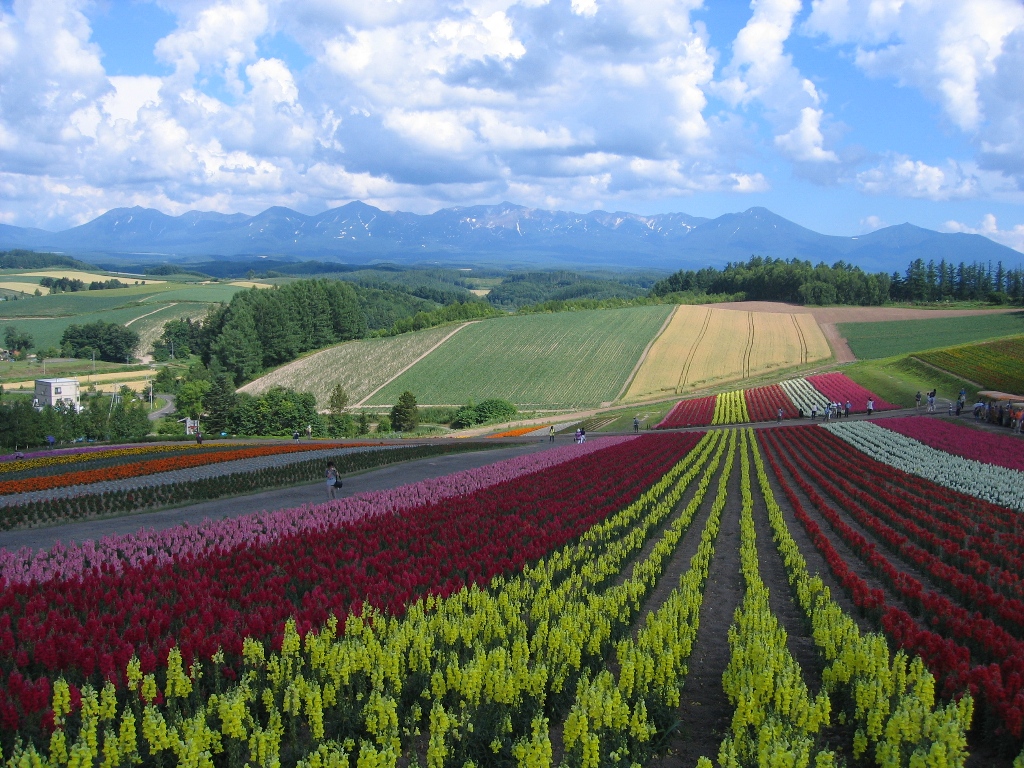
{"x":804,"y":142}
{"x":965,"y":56}
{"x":1014,"y":238}
{"x":905,"y":177}
{"x":871,"y":223}
{"x":762,"y":71}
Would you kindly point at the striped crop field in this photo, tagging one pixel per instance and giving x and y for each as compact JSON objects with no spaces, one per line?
{"x":704,"y":345}
{"x":359,"y":366}
{"x":564,"y":360}
{"x":995,"y":365}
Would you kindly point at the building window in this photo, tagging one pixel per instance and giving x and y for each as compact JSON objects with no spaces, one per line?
{"x":56,"y":390}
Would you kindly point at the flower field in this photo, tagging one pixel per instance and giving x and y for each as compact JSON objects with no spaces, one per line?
{"x":995,"y":365}
{"x":546,"y":610}
{"x":968,"y":443}
{"x":762,"y":403}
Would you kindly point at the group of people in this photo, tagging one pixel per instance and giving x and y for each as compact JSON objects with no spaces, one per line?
{"x":581,"y":435}
{"x":931,"y":400}
{"x":836,"y":410}
{"x":1005,"y":415}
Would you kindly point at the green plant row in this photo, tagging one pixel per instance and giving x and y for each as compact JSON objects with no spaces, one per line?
{"x":50,"y":511}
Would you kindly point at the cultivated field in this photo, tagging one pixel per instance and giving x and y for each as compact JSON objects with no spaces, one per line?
{"x":704,"y":345}
{"x":885,"y":339}
{"x":563,"y":360}
{"x":997,"y":365}
{"x":359,"y":366}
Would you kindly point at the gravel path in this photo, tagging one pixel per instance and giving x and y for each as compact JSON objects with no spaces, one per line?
{"x":390,"y":476}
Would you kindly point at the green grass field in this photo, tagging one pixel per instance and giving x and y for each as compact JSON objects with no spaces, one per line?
{"x":558,"y":361}
{"x":898,"y":379}
{"x":871,"y":341}
{"x":997,"y":365}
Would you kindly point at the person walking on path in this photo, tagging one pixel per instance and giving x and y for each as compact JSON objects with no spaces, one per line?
{"x":849,"y":407}
{"x":814,"y":411}
{"x":551,"y":434}
{"x":295,"y":435}
{"x":309,"y":431}
{"x":778,"y":417}
{"x":917,"y":400}
{"x":577,"y":438}
{"x":636,"y":424}
{"x":583,"y":435}
{"x":333,"y":483}
{"x":871,"y":406}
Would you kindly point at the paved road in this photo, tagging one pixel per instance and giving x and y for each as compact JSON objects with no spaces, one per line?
{"x":281,"y":498}
{"x":164,"y":409}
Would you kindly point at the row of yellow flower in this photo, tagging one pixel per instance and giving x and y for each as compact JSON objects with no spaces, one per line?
{"x":731,"y":408}
{"x":777,"y":722}
{"x":70,"y":458}
{"x":481,"y":670}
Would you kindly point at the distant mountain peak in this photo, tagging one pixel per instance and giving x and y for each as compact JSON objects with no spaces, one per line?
{"x":504,"y":233}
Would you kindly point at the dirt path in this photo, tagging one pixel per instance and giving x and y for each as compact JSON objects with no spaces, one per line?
{"x":165,"y":306}
{"x":410,"y":365}
{"x":705,"y":712}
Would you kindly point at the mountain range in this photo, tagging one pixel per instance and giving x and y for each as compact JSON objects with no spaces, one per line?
{"x":505,"y":233}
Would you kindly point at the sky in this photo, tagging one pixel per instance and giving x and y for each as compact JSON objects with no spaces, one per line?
{"x":841,"y":115}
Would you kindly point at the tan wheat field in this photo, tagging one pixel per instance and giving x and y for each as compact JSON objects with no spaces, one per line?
{"x":703,"y":346}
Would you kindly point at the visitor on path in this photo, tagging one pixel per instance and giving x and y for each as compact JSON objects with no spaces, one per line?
{"x":959,"y":406}
{"x":814,"y":412}
{"x":917,"y":400}
{"x":950,"y":407}
{"x":333,"y":482}
{"x":199,"y":438}
{"x":309,"y":432}
{"x":778,"y":417}
{"x":577,"y":438}
{"x":551,"y":434}
{"x":583,"y":435}
{"x":636,"y":425}
{"x":849,"y":407}
{"x":871,"y":406}
{"x":295,"y":435}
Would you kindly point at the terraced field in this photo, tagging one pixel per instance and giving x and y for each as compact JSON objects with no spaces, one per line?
{"x":997,"y":365}
{"x":565,"y":360}
{"x":705,"y":345}
{"x":359,"y":366}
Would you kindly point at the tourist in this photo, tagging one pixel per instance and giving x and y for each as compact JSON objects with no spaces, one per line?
{"x":917,"y":400}
{"x":636,"y":424}
{"x":849,"y":407}
{"x":871,"y":406}
{"x":814,"y":411}
{"x":333,"y":483}
{"x":551,"y":434}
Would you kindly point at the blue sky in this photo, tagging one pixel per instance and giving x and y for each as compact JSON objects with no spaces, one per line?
{"x":842,"y":115}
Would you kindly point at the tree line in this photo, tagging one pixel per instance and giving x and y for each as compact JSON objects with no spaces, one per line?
{"x":22,"y":426}
{"x":800,"y":282}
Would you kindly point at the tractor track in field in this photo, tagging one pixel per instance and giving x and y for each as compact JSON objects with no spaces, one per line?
{"x":693,"y":352}
{"x":804,"y":354}
{"x":748,"y":348}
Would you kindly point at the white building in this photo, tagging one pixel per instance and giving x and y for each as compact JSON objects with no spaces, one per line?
{"x":56,"y":391}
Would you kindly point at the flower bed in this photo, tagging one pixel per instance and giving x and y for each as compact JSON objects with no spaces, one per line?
{"x":947,"y":652}
{"x":519,"y":432}
{"x":76,"y":455}
{"x":730,"y":408}
{"x":803,"y":395}
{"x":696,"y":412}
{"x":840,"y":388}
{"x":200,"y":603}
{"x":763,"y":403}
{"x":997,"y":485}
{"x":154,"y":466}
{"x":114,"y":552}
{"x":966,"y":442}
